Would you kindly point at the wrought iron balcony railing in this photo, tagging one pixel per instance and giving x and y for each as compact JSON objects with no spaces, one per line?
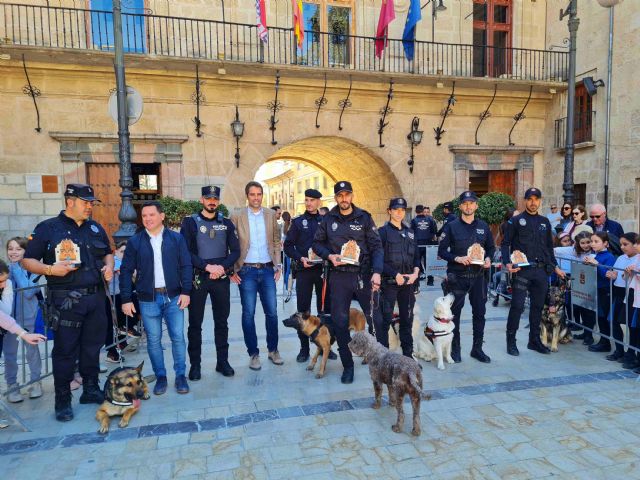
{"x":82,"y":29}
{"x":583,"y":129}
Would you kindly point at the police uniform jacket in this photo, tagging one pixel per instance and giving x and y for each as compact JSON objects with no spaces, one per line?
{"x":211,"y":241}
{"x":90,"y":238}
{"x":336,"y":230}
{"x":425,"y":229}
{"x":532,"y":235}
{"x":300,"y":236}
{"x":448,"y":219}
{"x":401,"y":253}
{"x":458,"y":236}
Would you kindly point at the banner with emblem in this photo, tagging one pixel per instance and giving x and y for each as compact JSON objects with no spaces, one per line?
{"x":436,"y":267}
{"x":584,"y":286}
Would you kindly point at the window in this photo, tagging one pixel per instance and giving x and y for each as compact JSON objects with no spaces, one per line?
{"x":316,"y":183}
{"x":328,"y":26}
{"x":491,"y":37}
{"x":580,"y":194}
{"x":307,"y":183}
{"x":299,"y":187}
{"x":133,"y":28}
{"x":582,"y":127}
{"x":324,"y":182}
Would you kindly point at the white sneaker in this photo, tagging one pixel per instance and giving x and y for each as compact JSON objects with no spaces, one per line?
{"x":15,"y":396}
{"x":103,"y":368}
{"x":35,"y":391}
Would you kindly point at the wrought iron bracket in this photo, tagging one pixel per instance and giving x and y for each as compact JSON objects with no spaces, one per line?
{"x":520,"y":116}
{"x":345,"y":103}
{"x":387,"y":110}
{"x":486,"y":114}
{"x":274,"y":107}
{"x":33,"y":92}
{"x":446,"y":111}
{"x":322,"y":101}
{"x":198,"y":98}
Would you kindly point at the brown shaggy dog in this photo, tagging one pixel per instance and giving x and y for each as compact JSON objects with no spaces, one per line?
{"x":319,"y":332}
{"x":400,"y":374}
{"x":123,"y":390}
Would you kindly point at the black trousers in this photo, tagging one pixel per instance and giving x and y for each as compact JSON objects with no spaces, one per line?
{"x":533,"y":280}
{"x":476,"y":287}
{"x":405,"y":297}
{"x":308,"y":280}
{"x":344,"y":287}
{"x":219,"y":292}
{"x":83,"y":344}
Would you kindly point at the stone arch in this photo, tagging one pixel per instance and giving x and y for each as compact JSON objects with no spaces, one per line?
{"x":342,"y":159}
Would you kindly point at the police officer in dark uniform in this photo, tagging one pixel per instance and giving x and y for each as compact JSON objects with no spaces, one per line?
{"x":399,"y":275}
{"x":76,"y":255}
{"x":425,"y":229}
{"x":346,"y":222}
{"x":463,"y":275}
{"x":308,"y":275}
{"x":214,"y":248}
{"x":531,"y":234}
{"x":449,"y":216}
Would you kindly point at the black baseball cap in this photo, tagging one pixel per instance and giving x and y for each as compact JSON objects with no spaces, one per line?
{"x":312,"y":193}
{"x":211,"y":191}
{"x":81,"y":191}
{"x":448,"y":205}
{"x":468,"y":196}
{"x":342,"y":186}
{"x":531,"y":192}
{"x":397,"y":202}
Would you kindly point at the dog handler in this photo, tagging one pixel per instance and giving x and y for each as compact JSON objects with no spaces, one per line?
{"x":76,"y":293}
{"x":531,"y":234}
{"x":214,"y":248}
{"x":399,"y":275}
{"x":346,"y":222}
{"x":308,"y":275}
{"x":464,"y":276}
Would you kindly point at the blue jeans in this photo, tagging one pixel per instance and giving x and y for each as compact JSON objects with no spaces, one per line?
{"x":152,"y":315}
{"x":258,"y":281}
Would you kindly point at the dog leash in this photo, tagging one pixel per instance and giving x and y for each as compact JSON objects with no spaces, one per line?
{"x":325,"y":275}
{"x":371,"y":307}
{"x":114,"y":320}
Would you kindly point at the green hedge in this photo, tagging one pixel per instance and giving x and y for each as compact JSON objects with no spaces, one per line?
{"x":175,"y":210}
{"x":492,"y":207}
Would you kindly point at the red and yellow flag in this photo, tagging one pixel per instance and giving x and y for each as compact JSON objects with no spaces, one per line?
{"x":298,"y":21}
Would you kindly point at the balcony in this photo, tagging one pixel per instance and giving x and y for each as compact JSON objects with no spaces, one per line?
{"x":583,"y":130}
{"x":190,"y":38}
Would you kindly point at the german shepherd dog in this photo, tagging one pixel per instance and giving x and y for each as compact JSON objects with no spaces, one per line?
{"x":319,"y":331}
{"x":553,"y":326}
{"x":123,"y":389}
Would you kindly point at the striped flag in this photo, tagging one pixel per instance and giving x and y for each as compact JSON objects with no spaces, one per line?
{"x":298,"y":21}
{"x":261,"y":21}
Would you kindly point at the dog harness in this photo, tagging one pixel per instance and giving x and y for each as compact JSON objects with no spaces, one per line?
{"x":431,"y":334}
{"x":316,"y":332}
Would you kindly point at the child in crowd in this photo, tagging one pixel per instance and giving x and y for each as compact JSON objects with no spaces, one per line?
{"x":621,"y":314}
{"x":6,"y":296}
{"x":603,"y":258}
{"x":25,"y":312}
{"x":633,"y":273}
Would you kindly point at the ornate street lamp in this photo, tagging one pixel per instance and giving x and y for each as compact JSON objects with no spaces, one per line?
{"x":237,"y":128}
{"x":414,"y":137}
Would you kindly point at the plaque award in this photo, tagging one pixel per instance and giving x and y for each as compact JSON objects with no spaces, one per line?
{"x":67,"y":251}
{"x":519,"y":259}
{"x":476,"y":254}
{"x":313,"y":258}
{"x":350,"y":253}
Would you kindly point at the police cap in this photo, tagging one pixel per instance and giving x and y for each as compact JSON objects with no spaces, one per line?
{"x":81,"y":191}
{"x":211,"y":191}
{"x":468,"y":196}
{"x":312,"y":193}
{"x":448,"y":205}
{"x":397,"y":202}
{"x":531,"y":192}
{"x":342,"y":186}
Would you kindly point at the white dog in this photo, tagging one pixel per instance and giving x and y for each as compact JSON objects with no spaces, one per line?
{"x":434,"y":341}
{"x":394,"y":329}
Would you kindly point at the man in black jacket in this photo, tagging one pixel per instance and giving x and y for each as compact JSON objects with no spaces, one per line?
{"x":162,"y":263}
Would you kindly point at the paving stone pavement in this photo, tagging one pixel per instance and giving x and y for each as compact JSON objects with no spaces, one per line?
{"x":568,"y":415}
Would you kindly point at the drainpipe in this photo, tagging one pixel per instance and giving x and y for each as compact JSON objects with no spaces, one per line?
{"x":607,"y":134}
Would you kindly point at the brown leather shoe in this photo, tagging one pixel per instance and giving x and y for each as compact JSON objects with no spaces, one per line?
{"x":275,"y":358}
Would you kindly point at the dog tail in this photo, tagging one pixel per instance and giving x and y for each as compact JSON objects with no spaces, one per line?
{"x":416,"y":383}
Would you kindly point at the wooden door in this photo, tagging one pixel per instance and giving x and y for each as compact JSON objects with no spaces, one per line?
{"x":103,"y":177}
{"x":503,"y":181}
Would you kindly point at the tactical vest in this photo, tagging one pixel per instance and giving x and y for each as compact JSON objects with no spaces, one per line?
{"x":211,"y":237}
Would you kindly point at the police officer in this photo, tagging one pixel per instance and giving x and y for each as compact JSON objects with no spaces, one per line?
{"x":425,"y":229}
{"x":463,"y":275}
{"x":346,"y":222}
{"x":214,"y":248}
{"x":449,"y":216}
{"x":73,"y":252}
{"x":531,"y":234}
{"x":399,"y":275}
{"x":308,"y":275}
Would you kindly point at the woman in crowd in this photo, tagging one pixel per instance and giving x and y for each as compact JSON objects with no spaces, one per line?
{"x":622,"y":300}
{"x":565,"y":217}
{"x":603,"y":259}
{"x":578,"y":217}
{"x":25,"y":312}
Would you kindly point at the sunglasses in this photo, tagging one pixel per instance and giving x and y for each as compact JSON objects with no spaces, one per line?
{"x":595,"y":216}
{"x":554,"y":208}
{"x":577,"y":213}
{"x":566,"y":208}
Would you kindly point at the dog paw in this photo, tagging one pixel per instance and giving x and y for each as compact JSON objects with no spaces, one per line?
{"x":103,"y":430}
{"x":440,"y":366}
{"x":554,"y":349}
{"x":123,"y":424}
{"x":310,"y":367}
{"x":364,"y":362}
{"x":416,"y":432}
{"x":146,"y":397}
{"x":396,"y":428}
{"x":319,"y":375}
{"x":375,"y":405}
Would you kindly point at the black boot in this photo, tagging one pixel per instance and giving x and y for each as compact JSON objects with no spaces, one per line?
{"x":617,"y":355}
{"x":455,"y":350}
{"x":603,"y":345}
{"x":630,"y":360}
{"x":91,"y":392}
{"x":64,"y":413}
{"x":303,"y":355}
{"x":195,"y":373}
{"x":332,"y":355}
{"x":536,"y":345}
{"x":224,"y":368}
{"x":476,"y":351}
{"x":347,"y":375}
{"x":512,"y":348}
